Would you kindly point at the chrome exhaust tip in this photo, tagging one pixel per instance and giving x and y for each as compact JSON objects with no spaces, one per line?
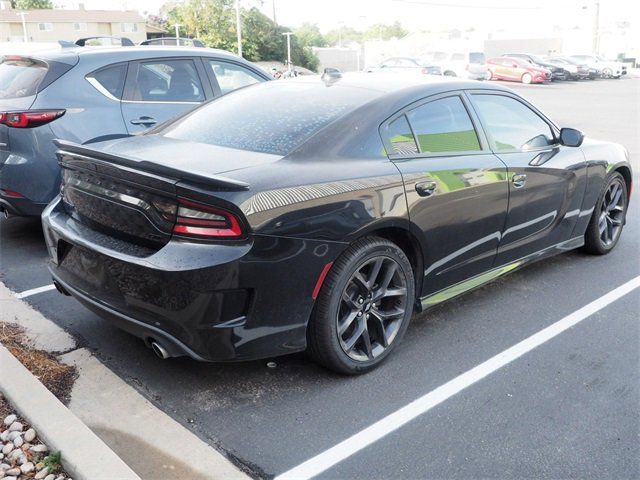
{"x":159,"y":350}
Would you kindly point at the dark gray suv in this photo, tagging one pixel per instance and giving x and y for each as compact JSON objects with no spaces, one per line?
{"x":87,"y":95}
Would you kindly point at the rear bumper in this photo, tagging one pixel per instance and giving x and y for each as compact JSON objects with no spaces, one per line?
{"x":210,"y":302}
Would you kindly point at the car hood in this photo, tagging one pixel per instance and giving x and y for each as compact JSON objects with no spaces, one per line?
{"x":191,"y":157}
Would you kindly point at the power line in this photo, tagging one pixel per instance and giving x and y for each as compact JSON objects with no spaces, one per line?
{"x":465,"y":5}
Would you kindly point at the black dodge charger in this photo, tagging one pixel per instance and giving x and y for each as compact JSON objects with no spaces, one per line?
{"x":319,"y":213}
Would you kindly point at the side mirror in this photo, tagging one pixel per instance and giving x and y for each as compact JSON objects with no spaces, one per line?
{"x":570,"y":137}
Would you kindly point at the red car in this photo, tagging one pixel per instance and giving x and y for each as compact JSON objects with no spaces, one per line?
{"x":516,"y":70}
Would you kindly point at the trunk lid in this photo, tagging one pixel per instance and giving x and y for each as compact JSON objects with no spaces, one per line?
{"x":134,"y":195}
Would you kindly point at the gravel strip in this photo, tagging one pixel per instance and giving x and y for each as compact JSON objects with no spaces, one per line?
{"x":22,"y":455}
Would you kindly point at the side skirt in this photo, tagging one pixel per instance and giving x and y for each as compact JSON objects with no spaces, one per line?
{"x":490,"y":275}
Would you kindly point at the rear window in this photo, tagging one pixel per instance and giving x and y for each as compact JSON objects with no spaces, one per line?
{"x":20,"y":77}
{"x":271,"y":117}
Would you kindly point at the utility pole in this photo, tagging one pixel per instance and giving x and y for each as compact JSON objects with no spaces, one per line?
{"x":288,"y":34}
{"x":24,"y":26}
{"x":596,"y":30}
{"x":238,"y":28}
{"x":273,"y":4}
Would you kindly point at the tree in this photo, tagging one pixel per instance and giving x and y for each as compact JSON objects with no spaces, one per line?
{"x":308,"y":35}
{"x":31,"y":4}
{"x":342,"y":35}
{"x":381,"y":31}
{"x":214,"y":22}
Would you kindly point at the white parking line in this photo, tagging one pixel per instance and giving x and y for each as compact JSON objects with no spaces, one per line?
{"x":397,"y":419}
{"x":34,"y":291}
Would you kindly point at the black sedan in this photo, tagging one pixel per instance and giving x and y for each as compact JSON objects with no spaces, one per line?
{"x":319,"y":214}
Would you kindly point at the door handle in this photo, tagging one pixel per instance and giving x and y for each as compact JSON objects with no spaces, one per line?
{"x":426,"y":189}
{"x":147,"y":121}
{"x":518,"y":180}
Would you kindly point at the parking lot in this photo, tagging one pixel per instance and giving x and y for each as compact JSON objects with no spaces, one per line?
{"x":568,"y":408}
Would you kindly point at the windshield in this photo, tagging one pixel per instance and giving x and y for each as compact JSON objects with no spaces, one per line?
{"x":272,"y":117}
{"x":20,"y":77}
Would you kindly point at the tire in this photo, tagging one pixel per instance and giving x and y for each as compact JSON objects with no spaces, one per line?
{"x":450,"y":73}
{"x":613,"y":217}
{"x":607,"y":73}
{"x":339,"y":301}
{"x":526,"y":78}
{"x":490,"y":75}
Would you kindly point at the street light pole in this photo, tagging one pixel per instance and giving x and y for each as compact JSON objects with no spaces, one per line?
{"x":177,"y":27}
{"x":288,"y":34}
{"x":24,"y":26}
{"x":238,"y":27}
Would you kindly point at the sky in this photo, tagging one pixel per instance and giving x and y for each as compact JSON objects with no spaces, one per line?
{"x":416,"y":15}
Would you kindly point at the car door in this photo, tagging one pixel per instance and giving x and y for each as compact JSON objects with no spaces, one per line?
{"x":455,"y":187}
{"x":226,"y":75}
{"x":546,"y":180}
{"x":159,"y":89}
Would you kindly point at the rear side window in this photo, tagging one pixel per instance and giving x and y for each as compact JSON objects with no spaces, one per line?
{"x":231,"y":76}
{"x":512,"y":125}
{"x":401,"y":137}
{"x":444,"y":126}
{"x":272,"y":117}
{"x":20,"y":77}
{"x":168,"y":81}
{"x":109,"y":79}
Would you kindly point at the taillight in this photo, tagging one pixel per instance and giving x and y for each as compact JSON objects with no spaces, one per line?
{"x":10,"y":193}
{"x":30,"y":119}
{"x":205,"y":222}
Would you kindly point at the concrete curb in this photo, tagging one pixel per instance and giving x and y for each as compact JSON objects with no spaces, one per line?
{"x":84,"y":455}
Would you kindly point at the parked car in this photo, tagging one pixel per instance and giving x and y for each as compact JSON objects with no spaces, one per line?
{"x":558,"y":72}
{"x":406,"y":64}
{"x":517,"y":70}
{"x":242,"y":231}
{"x":606,"y":68}
{"x":471,"y":65}
{"x":91,"y":94}
{"x":577,"y":70}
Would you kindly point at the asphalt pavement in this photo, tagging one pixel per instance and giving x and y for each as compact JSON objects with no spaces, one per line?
{"x":568,"y":408}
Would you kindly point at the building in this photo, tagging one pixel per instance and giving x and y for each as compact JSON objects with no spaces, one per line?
{"x":345,"y":59}
{"x":59,"y":24}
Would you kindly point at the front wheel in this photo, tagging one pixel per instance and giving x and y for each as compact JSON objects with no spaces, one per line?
{"x":608,"y":218}
{"x":364,"y":307}
{"x":527,"y":78}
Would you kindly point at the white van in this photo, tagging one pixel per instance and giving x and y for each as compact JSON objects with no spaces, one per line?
{"x":470,"y":65}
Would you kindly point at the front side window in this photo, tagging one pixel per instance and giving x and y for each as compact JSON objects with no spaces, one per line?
{"x":401,"y":137}
{"x":168,"y":81}
{"x":109,"y":79}
{"x":511,"y":125}
{"x":231,"y":76}
{"x":443,"y":126}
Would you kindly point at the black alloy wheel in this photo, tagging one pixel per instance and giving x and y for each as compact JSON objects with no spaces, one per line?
{"x":608,"y":217}
{"x":364,"y":307}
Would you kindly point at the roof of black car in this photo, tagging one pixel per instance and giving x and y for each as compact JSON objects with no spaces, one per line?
{"x":393,"y":82}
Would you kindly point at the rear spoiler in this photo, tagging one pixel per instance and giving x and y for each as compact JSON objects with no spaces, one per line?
{"x":145,"y":166}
